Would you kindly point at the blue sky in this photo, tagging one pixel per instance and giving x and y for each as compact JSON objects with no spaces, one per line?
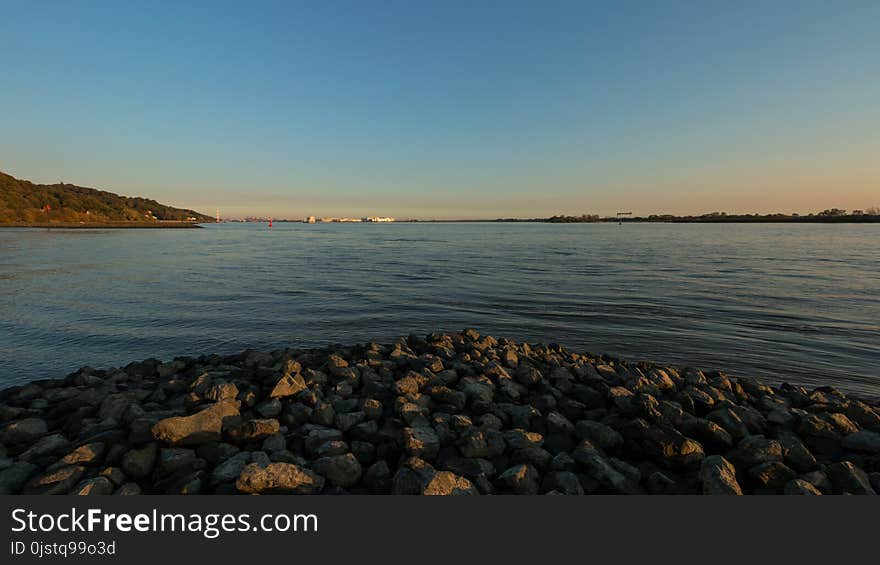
{"x":448,"y":109}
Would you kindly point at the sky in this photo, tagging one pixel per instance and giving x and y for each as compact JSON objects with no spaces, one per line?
{"x":448,"y":109}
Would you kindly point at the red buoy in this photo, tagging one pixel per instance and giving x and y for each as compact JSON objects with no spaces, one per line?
{"x":270,"y":222}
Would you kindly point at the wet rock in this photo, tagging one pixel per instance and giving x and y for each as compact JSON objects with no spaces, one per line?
{"x":718,"y":476}
{"x":279,"y":478}
{"x":564,"y":482}
{"x":202,"y":427}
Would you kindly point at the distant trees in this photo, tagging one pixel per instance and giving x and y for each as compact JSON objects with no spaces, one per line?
{"x":25,"y":202}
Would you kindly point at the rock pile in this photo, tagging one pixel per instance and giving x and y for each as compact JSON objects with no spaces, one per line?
{"x":439,"y":415}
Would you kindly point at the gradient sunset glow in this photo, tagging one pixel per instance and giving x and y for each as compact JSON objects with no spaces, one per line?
{"x":448,"y":109}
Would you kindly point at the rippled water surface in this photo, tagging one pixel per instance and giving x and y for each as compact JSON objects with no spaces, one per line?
{"x":797,"y":303}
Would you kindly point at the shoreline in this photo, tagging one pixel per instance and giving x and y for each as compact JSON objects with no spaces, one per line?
{"x":440,"y":414}
{"x":103,"y":225}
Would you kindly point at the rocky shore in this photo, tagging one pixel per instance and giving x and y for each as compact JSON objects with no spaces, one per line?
{"x":440,"y":414}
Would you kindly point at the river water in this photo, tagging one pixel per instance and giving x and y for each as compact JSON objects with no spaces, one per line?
{"x":797,"y":303}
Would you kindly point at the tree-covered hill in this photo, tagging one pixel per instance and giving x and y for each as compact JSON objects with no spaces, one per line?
{"x":23,"y":202}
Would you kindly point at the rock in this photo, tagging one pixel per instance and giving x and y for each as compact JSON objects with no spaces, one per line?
{"x":87,"y":454}
{"x":754,"y":450}
{"x":421,"y":442}
{"x":222,"y":391}
{"x":275,"y":442}
{"x":795,"y":453}
{"x":128,"y":489}
{"x":718,"y":476}
{"x":481,"y":444}
{"x":772,"y":475}
{"x":288,"y":385}
{"x":521,"y":479}
{"x":445,"y":483}
{"x":25,"y":431}
{"x":599,"y":434}
{"x":279,"y":478}
{"x":230,"y":469}
{"x":800,"y":486}
{"x":846,"y":478}
{"x":602,"y":471}
{"x":671,"y":449}
{"x":174,"y":459}
{"x":378,"y":477}
{"x":564,"y":482}
{"x":707,"y":432}
{"x":519,"y":438}
{"x":270,"y":408}
{"x":341,"y":470}
{"x":138,"y":463}
{"x":46,"y":446}
{"x":252,"y":430}
{"x":864,"y":441}
{"x":60,"y":481}
{"x":14,"y":477}
{"x":730,"y":421}
{"x":202,"y":427}
{"x":347,"y":421}
{"x":94,"y":486}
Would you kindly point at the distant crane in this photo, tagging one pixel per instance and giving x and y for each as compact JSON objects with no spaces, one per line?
{"x":620,"y":217}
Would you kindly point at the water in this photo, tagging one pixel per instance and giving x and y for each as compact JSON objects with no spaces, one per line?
{"x":796,"y":303}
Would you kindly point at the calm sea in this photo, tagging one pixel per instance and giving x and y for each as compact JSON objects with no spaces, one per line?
{"x":796,"y":303}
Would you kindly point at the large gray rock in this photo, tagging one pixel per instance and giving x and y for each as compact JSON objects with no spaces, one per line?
{"x":60,"y":481}
{"x":341,"y":470}
{"x":602,"y":470}
{"x":864,"y":441}
{"x":598,"y":434}
{"x":24,"y":431}
{"x":14,"y":477}
{"x":201,"y":427}
{"x":846,"y":478}
{"x":138,"y":463}
{"x":718,"y":476}
{"x":279,"y":478}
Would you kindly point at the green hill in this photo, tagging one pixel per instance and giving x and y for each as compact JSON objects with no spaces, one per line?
{"x":23,"y":202}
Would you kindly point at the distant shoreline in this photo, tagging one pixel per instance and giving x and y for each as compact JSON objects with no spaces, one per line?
{"x":104,"y":225}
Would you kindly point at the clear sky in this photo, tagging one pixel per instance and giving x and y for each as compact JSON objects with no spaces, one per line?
{"x":446,"y":108}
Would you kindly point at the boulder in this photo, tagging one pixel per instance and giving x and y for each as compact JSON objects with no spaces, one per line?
{"x":445,"y":483}
{"x":279,"y":478}
{"x":201,"y":427}
{"x":341,"y":470}
{"x":718,"y":476}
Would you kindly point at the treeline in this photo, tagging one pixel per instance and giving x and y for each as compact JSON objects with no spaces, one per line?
{"x":23,"y":202}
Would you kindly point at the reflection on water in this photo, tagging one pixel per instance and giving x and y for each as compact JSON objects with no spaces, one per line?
{"x":785,"y":302}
